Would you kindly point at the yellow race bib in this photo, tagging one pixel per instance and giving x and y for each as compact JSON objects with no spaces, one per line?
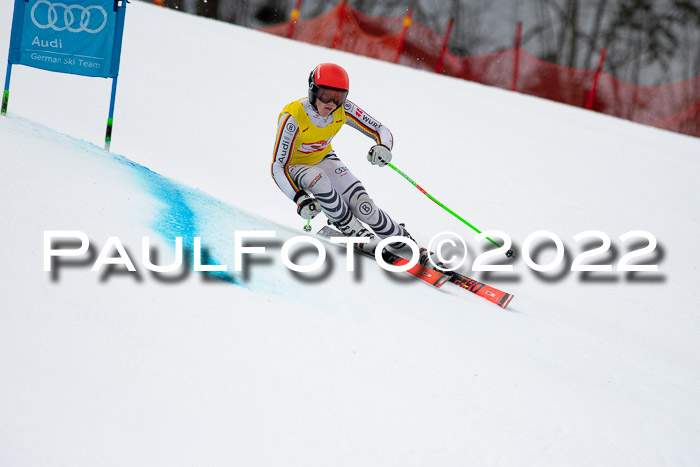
{"x":313,"y":143}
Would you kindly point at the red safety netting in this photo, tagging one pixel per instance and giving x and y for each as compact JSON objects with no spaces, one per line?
{"x":674,"y":107}
{"x":347,"y":29}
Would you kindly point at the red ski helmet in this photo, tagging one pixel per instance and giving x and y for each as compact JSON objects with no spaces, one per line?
{"x":328,"y":82}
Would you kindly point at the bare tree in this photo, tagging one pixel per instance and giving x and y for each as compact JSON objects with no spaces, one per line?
{"x":593,"y":39}
{"x":643,"y":35}
{"x":659,"y":38}
{"x":688,"y":14}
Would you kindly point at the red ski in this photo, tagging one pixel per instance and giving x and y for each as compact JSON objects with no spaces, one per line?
{"x":491,"y":294}
{"x":431,"y":276}
{"x":436,"y":278}
{"x":427,"y":275}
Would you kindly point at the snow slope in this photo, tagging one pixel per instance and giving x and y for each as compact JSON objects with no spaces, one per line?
{"x":266,"y":367}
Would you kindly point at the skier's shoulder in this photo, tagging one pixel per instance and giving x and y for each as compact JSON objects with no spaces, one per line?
{"x":359,"y":115}
{"x":294,"y":106}
{"x":300,"y":109}
{"x":293,"y":112}
{"x":352,"y":109}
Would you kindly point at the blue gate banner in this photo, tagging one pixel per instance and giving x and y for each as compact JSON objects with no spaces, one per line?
{"x":81,"y":37}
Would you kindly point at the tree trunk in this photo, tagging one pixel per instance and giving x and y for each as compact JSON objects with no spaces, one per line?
{"x":573,"y":37}
{"x":593,"y":39}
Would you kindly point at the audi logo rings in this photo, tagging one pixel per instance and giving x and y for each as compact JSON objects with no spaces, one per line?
{"x":51,"y":18}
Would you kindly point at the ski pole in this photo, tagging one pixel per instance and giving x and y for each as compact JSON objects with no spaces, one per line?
{"x":509,"y":253}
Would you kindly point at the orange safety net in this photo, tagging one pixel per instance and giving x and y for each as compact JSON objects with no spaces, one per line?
{"x":674,"y":107}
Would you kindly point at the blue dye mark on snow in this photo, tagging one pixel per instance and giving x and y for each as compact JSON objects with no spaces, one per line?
{"x":177,"y":218}
{"x":187,"y":212}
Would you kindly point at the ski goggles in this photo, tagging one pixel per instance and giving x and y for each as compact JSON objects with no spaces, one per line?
{"x":328,"y":95}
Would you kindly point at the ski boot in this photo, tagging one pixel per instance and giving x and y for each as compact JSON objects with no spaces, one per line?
{"x":354,"y":228}
{"x":430,"y":260}
{"x":400,"y":245}
{"x":425,"y":255}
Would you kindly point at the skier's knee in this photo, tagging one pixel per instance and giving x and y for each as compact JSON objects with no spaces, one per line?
{"x":364,"y":207}
{"x":317,"y":182}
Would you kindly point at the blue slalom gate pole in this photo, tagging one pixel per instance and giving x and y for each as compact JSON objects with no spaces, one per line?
{"x":121,"y":13}
{"x":110,"y":117}
{"x":6,"y":92}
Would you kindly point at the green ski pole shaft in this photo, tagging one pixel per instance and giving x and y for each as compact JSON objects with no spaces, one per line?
{"x":438,"y":202}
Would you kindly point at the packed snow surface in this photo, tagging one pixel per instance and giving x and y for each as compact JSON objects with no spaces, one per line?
{"x":267,"y":367}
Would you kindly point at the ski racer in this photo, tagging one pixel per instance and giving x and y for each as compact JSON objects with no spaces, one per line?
{"x":307,"y":169}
